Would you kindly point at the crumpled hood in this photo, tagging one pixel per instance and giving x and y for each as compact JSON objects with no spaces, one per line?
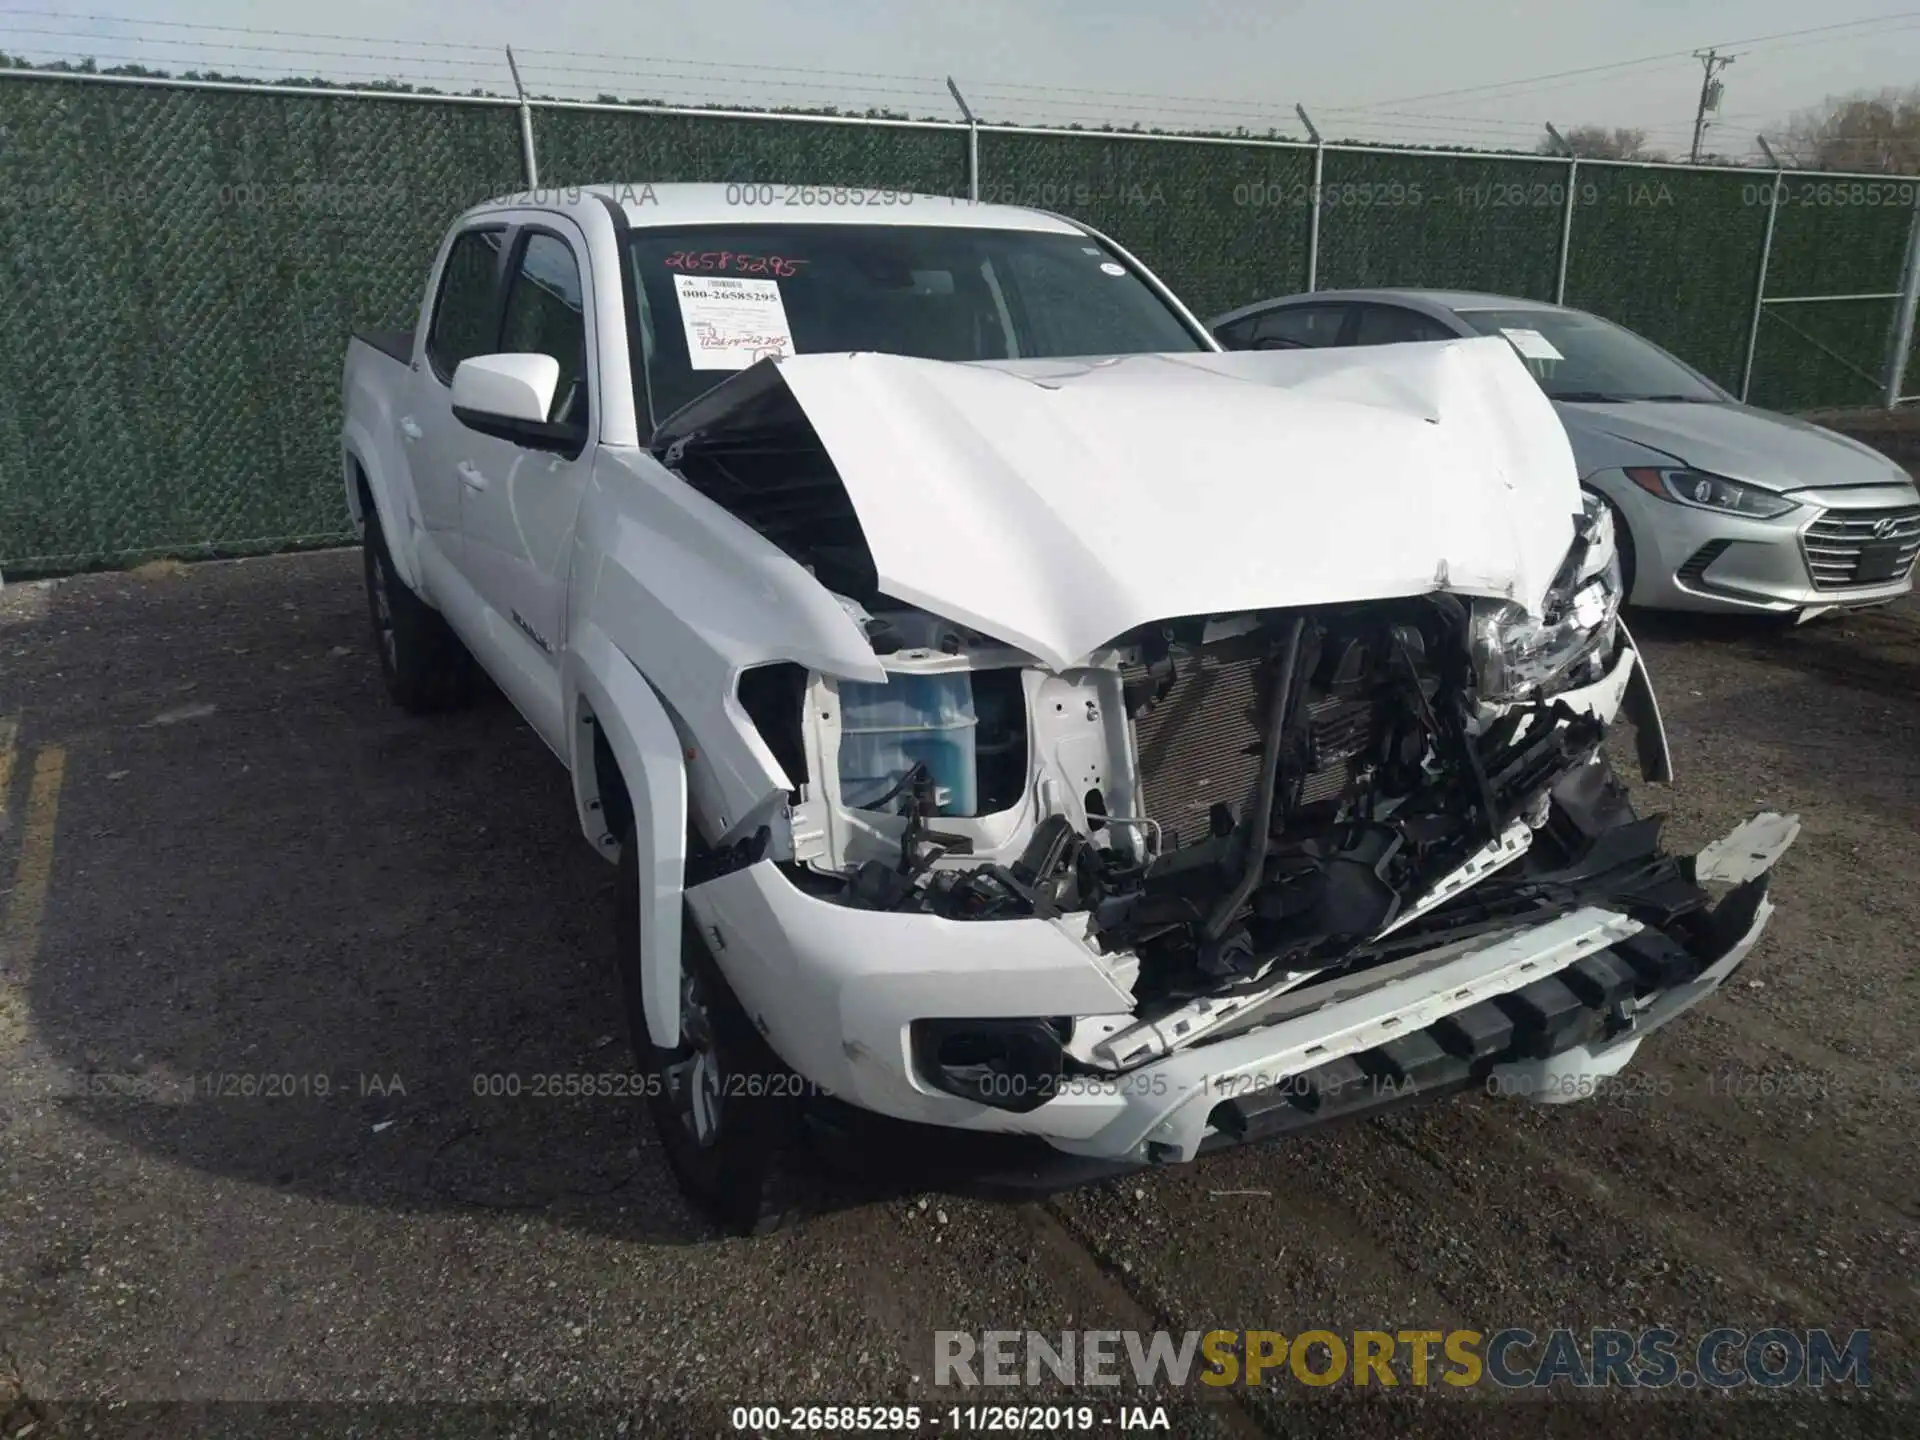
{"x":1056,"y":505}
{"x":1776,"y":452}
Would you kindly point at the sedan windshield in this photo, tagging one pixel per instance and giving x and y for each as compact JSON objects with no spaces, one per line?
{"x":1581,"y":357}
{"x":714,"y":299}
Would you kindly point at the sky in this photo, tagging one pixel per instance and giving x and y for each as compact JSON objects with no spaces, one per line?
{"x":1477,"y":72}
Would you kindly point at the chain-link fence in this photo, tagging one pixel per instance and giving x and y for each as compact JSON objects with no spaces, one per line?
{"x":185,"y":262}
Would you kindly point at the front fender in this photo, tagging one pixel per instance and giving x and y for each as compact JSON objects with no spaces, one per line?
{"x":606,"y":692}
{"x":360,"y":464}
{"x":1649,"y":730}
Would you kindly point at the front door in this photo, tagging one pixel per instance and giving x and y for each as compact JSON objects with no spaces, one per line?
{"x":517,"y":506}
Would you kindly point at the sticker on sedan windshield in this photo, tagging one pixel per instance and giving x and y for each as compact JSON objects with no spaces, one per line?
{"x":1532,"y":344}
{"x":1112,"y":269}
{"x":730,"y":323}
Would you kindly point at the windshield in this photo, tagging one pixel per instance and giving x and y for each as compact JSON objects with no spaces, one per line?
{"x":1576,"y":356}
{"x":714,"y":299}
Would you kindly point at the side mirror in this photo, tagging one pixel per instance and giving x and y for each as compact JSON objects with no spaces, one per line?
{"x":510,"y":396}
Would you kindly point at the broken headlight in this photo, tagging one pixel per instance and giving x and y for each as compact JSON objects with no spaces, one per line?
{"x":1516,"y":656}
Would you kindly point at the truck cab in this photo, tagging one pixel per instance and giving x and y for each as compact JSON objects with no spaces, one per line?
{"x":1008,"y":712}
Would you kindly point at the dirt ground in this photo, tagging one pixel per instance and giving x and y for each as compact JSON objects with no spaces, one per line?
{"x":223,"y":853}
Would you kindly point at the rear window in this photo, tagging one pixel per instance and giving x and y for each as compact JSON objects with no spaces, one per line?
{"x":714,"y":299}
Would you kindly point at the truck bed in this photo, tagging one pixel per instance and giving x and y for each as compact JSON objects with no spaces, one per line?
{"x":396,"y":343}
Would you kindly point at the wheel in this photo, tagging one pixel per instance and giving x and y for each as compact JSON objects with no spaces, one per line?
{"x":422,"y":661}
{"x":727,"y":1111}
{"x":1623,"y":543}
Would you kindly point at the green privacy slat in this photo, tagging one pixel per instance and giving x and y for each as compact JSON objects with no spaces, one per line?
{"x":183,"y":270}
{"x":1466,"y":223}
{"x":584,"y":147}
{"x":1220,"y":224}
{"x":183,"y":267}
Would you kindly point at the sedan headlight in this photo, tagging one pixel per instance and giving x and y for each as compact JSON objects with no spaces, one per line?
{"x":1516,"y":655}
{"x":1709,"y":492}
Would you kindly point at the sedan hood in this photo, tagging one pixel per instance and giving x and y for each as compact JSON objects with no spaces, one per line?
{"x":1773,"y":451}
{"x":1056,"y":505}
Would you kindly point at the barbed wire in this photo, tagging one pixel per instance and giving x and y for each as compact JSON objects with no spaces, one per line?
{"x":563,"y":74}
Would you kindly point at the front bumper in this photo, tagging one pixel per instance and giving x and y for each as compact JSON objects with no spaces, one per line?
{"x":1687,"y":558}
{"x":837,"y":989}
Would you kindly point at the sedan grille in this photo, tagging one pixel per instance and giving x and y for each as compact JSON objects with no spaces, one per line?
{"x":1846,"y":548}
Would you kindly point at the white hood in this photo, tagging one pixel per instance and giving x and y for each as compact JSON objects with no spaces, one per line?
{"x":1057,"y":504}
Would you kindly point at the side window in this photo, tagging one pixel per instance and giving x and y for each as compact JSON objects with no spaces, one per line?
{"x":1299,"y":326}
{"x":1239,"y":334}
{"x":1390,"y":325}
{"x":545,"y":317}
{"x":463,"y":314}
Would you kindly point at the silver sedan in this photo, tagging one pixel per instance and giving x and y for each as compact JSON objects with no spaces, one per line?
{"x":1721,"y":506}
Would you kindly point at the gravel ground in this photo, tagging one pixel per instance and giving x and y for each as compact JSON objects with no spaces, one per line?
{"x":255,"y":866}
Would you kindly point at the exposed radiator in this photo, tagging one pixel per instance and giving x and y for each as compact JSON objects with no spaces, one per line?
{"x":1200,"y":745}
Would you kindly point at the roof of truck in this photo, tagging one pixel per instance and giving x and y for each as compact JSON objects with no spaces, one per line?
{"x":648,"y":205}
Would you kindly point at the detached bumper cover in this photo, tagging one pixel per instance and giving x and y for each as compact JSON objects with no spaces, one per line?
{"x":1534,"y":1007}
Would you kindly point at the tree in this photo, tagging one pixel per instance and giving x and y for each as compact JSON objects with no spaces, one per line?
{"x":1597,"y":142}
{"x":1878,"y":133}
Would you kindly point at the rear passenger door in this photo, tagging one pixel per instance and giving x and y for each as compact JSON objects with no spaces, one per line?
{"x":465,"y":322}
{"x":1289,"y":327}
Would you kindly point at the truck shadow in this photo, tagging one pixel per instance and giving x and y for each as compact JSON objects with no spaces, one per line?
{"x":298,"y":939}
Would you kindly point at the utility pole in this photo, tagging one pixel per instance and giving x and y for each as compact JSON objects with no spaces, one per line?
{"x":1712,"y":63}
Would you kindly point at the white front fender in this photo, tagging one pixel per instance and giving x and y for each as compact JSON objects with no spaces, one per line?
{"x":604,"y":689}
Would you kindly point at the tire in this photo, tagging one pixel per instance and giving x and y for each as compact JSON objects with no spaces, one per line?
{"x":422,"y":661}
{"x":1623,"y":543}
{"x":727,"y":1111}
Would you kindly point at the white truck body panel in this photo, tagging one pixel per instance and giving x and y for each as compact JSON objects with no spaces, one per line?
{"x":1046,"y":508}
{"x":1057,"y":504}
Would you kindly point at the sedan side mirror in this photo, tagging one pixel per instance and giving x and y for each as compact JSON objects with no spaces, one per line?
{"x":510,"y":396}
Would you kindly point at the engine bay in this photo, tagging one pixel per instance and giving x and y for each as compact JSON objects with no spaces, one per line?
{"x":1231,"y":804}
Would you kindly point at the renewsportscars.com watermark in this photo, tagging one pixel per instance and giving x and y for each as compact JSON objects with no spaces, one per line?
{"x":1513,"y":1359}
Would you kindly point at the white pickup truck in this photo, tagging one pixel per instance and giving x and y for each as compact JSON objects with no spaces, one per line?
{"x":1008,"y":712}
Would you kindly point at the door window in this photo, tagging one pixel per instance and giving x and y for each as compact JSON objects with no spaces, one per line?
{"x":1299,"y":326}
{"x":1239,"y":334}
{"x":545,"y":316}
{"x":463,"y":315}
{"x":1391,"y":325}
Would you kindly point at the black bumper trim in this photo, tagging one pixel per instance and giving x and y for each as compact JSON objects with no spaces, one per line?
{"x":1584,"y":1001}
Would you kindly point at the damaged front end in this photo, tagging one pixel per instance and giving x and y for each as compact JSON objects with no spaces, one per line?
{"x":1238,"y":812}
{"x":1378,"y":834}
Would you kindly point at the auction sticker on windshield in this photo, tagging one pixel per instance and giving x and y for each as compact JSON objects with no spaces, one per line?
{"x":732,"y":323}
{"x":1532,"y":344}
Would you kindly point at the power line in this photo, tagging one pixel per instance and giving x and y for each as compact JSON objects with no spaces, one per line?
{"x":1630,"y":64}
{"x":1711,"y":64}
{"x":246,"y":30}
{"x":305,"y":51}
{"x":195,"y":63}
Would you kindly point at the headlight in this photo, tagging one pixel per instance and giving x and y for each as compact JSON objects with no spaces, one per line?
{"x":1710,"y":492}
{"x":1515,"y":655}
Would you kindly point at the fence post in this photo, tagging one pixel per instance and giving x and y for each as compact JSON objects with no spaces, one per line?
{"x":1566,"y":217}
{"x":1313,"y":220}
{"x":1760,"y":281}
{"x":527,"y":160}
{"x":1903,"y":318}
{"x":973,"y":141}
